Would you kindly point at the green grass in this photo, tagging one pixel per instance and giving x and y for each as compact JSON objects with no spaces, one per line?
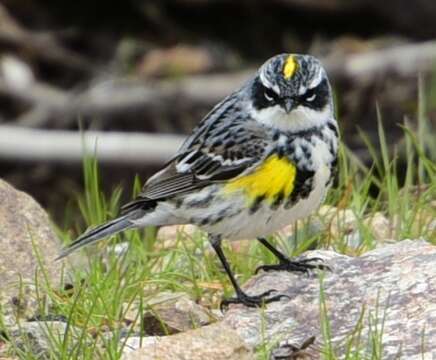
{"x":98,"y":296}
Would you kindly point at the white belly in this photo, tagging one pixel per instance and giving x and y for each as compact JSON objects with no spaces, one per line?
{"x":266,"y":221}
{"x":230,"y":217}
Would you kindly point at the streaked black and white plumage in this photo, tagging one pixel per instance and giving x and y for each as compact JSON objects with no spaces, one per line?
{"x":261,"y":159}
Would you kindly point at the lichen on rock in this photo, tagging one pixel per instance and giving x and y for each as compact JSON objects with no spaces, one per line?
{"x":28,"y":243}
{"x":393,"y":288}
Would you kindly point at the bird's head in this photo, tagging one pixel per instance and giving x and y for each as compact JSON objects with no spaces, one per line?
{"x":292,"y":92}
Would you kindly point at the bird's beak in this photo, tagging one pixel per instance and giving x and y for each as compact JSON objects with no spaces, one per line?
{"x":288,"y":105}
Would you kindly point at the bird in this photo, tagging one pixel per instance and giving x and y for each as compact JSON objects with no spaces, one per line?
{"x":262,"y":158}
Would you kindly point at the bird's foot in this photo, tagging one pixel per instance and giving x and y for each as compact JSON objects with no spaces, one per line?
{"x":252,"y":300}
{"x":303,"y":266}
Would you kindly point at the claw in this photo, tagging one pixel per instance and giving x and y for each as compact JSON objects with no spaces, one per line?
{"x":313,"y":259}
{"x":266,"y":293}
{"x":252,"y":301}
{"x":316,"y":259}
{"x":261,"y":267}
{"x":317,"y":266}
{"x":303,"y":266}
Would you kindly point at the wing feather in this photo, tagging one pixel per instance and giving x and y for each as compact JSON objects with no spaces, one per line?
{"x":218,"y":150}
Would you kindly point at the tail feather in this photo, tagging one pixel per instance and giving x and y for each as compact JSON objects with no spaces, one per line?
{"x":98,"y":233}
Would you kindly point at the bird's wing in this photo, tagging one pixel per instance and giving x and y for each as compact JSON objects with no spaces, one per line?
{"x":225,"y":148}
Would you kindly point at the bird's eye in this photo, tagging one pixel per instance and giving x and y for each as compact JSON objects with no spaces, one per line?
{"x":269,"y":94}
{"x":311,"y":98}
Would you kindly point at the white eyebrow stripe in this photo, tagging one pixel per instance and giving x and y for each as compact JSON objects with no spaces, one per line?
{"x":276,"y":89}
{"x":313,"y":84}
{"x":316,"y":80}
{"x":267,"y":84}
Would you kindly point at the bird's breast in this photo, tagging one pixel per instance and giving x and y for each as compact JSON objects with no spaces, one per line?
{"x":274,"y":178}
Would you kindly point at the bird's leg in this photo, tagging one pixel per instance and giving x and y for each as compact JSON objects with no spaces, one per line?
{"x":241,"y":297}
{"x":288,"y":265}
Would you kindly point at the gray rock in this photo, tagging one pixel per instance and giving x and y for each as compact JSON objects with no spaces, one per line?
{"x":393,"y":288}
{"x":212,"y":342}
{"x":24,"y":227}
{"x":39,"y":337}
{"x":169,"y":313}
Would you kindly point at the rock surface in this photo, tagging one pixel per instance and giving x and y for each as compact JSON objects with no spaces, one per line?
{"x":38,"y":337}
{"x":394,"y":286}
{"x":213,"y":342}
{"x":170,"y":313}
{"x":24,"y":226}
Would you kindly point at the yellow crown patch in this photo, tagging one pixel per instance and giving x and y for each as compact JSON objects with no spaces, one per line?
{"x":290,"y":67}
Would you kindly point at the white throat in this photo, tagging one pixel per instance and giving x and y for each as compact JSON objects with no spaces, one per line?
{"x":299,"y":119}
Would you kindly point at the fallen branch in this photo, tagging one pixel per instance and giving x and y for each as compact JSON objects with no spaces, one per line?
{"x":118,"y":95}
{"x":405,"y":60}
{"x":21,"y":144}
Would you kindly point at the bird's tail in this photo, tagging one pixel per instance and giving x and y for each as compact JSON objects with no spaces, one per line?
{"x":100,"y":232}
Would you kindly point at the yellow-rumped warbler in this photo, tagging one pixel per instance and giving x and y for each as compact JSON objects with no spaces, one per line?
{"x":261,"y":159}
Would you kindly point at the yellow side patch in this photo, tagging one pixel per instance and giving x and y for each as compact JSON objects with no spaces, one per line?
{"x":290,"y":67}
{"x":274,"y":176}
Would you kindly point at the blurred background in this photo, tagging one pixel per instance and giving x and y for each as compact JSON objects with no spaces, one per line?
{"x":137,"y":75}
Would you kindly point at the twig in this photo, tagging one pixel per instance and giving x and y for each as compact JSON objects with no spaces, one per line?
{"x":17,"y":143}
